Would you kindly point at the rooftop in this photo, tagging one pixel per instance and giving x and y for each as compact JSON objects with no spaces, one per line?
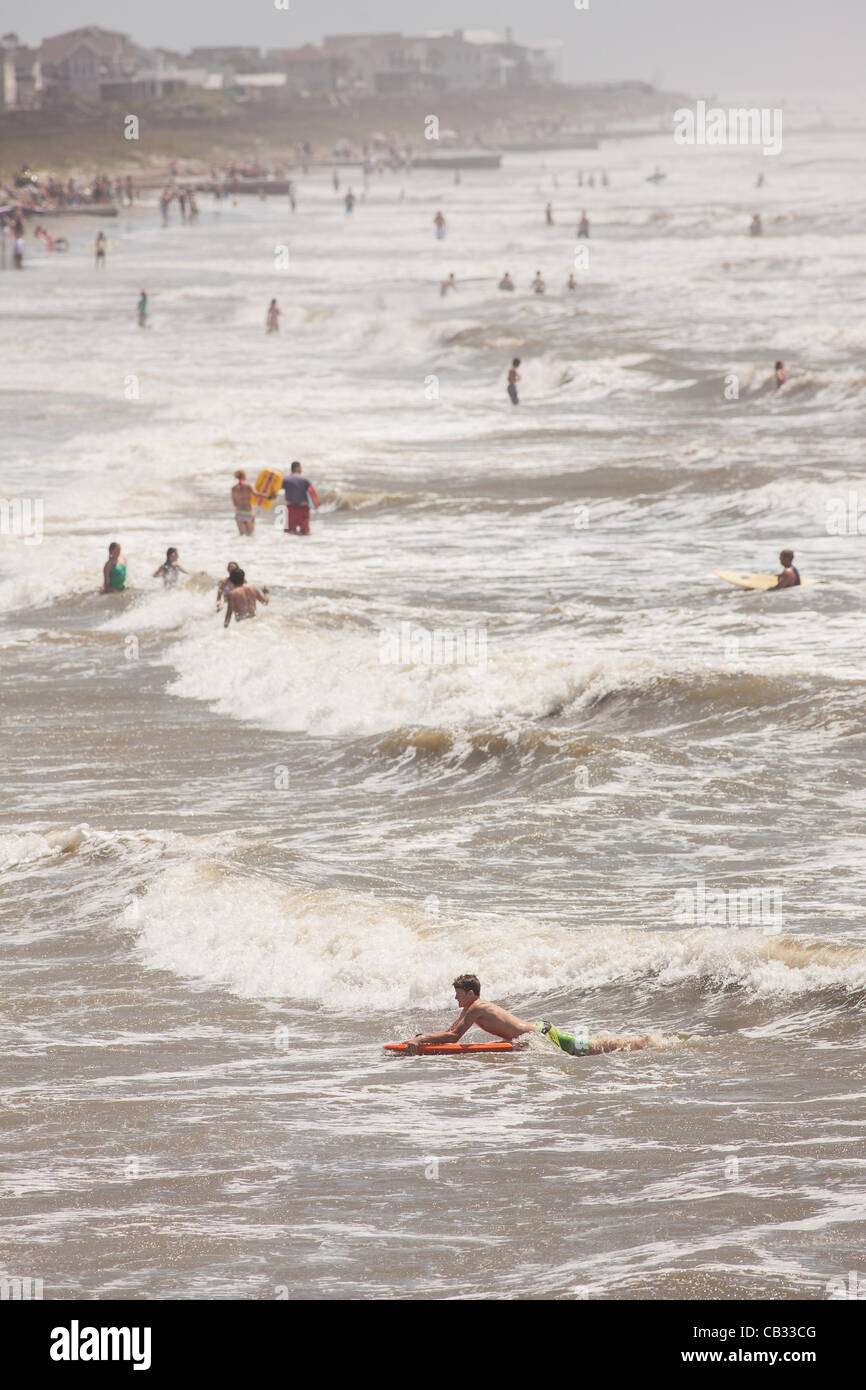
{"x":103,"y":41}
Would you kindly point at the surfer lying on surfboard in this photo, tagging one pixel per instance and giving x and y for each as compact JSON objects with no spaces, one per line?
{"x":494,"y":1019}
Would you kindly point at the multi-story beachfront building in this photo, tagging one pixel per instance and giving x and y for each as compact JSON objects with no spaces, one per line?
{"x":467,"y":60}
{"x":79,"y":62}
{"x":104,"y":64}
{"x":309,"y":69}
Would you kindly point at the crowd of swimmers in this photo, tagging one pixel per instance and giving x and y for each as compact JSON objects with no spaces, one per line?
{"x":52,"y":194}
{"x":187,"y":203}
{"x":239,"y":595}
{"x":538,"y":285}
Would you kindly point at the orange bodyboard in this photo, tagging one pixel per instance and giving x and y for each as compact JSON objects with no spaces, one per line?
{"x":450,"y":1049}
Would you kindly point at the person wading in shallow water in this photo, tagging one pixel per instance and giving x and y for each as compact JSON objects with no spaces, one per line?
{"x":114,"y":571}
{"x":494,"y":1019}
{"x":298,"y":492}
{"x":225,"y":583}
{"x":242,"y":498}
{"x":513,"y":378}
{"x":241,"y":598}
{"x":170,"y":569}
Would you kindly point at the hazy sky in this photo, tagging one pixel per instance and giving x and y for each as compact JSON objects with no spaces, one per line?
{"x":770,"y":48}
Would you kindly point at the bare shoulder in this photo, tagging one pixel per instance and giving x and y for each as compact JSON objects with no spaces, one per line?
{"x":477,"y":1010}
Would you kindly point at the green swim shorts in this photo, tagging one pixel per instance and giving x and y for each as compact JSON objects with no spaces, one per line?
{"x":576,"y":1047}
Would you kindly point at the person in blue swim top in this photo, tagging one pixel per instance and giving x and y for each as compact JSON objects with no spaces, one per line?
{"x":480,"y":1013}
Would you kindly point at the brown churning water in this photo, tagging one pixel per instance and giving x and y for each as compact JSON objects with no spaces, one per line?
{"x":498,"y":717}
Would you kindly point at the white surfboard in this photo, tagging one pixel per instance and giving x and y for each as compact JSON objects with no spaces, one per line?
{"x":757,"y":581}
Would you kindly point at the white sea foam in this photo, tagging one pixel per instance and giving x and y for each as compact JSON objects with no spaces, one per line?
{"x":346,"y":951}
{"x":26,"y":847}
{"x":295,"y":677}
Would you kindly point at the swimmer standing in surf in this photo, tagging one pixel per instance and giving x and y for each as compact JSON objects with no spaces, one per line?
{"x":170,"y":569}
{"x":242,"y":500}
{"x":480,"y":1013}
{"x":513,"y":378}
{"x":225,"y":584}
{"x":114,"y":571}
{"x":298,"y":492}
{"x":241,"y":598}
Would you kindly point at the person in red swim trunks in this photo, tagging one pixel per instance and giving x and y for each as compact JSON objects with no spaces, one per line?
{"x":298,"y":491}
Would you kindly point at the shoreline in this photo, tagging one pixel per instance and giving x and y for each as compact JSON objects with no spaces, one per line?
{"x":210,"y":128}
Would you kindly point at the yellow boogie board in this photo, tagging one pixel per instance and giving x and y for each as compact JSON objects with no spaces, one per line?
{"x":757,"y":581}
{"x":269,"y":484}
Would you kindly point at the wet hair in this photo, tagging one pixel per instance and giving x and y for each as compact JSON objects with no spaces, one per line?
{"x":296,"y":467}
{"x":786,"y":556}
{"x":237,"y":577}
{"x":468,"y":982}
{"x":172,"y":550}
{"x":115,"y":545}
